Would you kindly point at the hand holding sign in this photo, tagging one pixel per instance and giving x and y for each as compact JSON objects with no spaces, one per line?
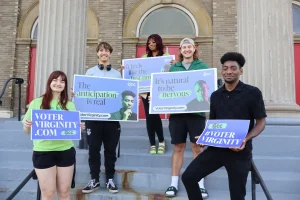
{"x":72,"y":93}
{"x":201,"y":145}
{"x":82,"y":126}
{"x":225,"y":134}
{"x":239,"y":148}
{"x":28,"y":123}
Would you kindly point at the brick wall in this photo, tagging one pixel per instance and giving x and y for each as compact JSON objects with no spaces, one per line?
{"x":128,"y":6}
{"x":205,"y":51}
{"x":24,"y":5}
{"x":208,"y":4}
{"x":91,"y":56}
{"x":111,"y":15}
{"x":21,"y":71}
{"x":129,"y":51}
{"x":8,"y":24}
{"x":224,"y":28}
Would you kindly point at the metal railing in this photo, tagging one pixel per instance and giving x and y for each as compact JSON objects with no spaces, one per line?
{"x":257,"y":179}
{"x":32,"y":175}
{"x":18,"y":81}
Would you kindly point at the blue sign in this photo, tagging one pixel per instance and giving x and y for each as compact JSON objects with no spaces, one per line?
{"x":106,"y":99}
{"x":182,"y":92}
{"x":224,"y":133}
{"x":55,"y":125}
{"x":141,"y":68}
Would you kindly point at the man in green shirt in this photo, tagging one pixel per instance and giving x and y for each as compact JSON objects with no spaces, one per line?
{"x":182,"y":124}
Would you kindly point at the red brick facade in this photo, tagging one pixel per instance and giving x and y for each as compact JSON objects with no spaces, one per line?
{"x":111,"y":16}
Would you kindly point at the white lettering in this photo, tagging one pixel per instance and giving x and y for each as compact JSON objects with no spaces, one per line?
{"x":46,"y":132}
{"x":231,"y":135}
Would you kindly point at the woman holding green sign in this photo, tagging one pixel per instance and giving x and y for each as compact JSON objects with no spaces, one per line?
{"x":53,"y":160}
{"x":154,"y":47}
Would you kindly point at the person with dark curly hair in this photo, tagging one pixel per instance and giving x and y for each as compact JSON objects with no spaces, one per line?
{"x":125,"y":113}
{"x":234,"y":100}
{"x":154,"y":47}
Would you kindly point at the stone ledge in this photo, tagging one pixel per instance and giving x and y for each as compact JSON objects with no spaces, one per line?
{"x":283,"y":121}
{"x":6,"y":114}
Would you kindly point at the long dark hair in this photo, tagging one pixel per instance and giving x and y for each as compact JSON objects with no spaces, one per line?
{"x":159,"y":45}
{"x":47,"y":97}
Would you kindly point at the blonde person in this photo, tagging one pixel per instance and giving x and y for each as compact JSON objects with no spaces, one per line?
{"x":184,"y":124}
{"x":53,"y":160}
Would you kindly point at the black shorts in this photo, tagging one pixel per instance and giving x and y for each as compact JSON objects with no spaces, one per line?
{"x":47,"y":159}
{"x":182,"y":124}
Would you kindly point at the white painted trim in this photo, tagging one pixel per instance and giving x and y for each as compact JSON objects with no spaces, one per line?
{"x":34,"y":27}
{"x":296,"y":3}
{"x":168,"y":5}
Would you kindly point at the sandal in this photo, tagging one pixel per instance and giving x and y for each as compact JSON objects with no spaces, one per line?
{"x":204,"y":193}
{"x":152,"y":150}
{"x":171,"y":191}
{"x":161,"y":148}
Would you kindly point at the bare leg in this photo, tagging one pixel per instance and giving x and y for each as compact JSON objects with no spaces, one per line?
{"x":47,"y":181}
{"x":177,"y":159}
{"x":196,"y":149}
{"x":64,"y":179}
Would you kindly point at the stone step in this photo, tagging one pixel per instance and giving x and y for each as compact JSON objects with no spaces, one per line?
{"x":152,"y":178}
{"x":144,"y":159}
{"x":263,"y":145}
{"x":130,"y":194}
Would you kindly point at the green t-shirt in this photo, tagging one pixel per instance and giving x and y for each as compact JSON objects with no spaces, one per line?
{"x":49,"y":145}
{"x":195,"y":65}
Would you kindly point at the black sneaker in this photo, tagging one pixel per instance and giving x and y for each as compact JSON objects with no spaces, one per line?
{"x":111,"y":187}
{"x":91,"y":186}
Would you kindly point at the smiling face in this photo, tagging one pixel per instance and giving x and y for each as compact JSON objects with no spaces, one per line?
{"x":152,"y":45}
{"x":103,"y":54}
{"x":57,"y":85}
{"x":187,"y":51}
{"x":231,"y":72}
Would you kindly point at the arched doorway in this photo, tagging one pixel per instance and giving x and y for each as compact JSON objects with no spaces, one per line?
{"x":28,"y":32}
{"x":171,"y":21}
{"x":296,"y":30}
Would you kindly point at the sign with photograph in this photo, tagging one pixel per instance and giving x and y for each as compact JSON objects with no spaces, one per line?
{"x":182,"y":92}
{"x":105,"y":99}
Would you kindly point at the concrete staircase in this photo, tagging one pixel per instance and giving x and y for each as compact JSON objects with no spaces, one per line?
{"x":143,"y":176}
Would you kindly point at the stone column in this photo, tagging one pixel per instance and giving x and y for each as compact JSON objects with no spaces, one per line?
{"x":265,"y":37}
{"x":61,"y":41}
